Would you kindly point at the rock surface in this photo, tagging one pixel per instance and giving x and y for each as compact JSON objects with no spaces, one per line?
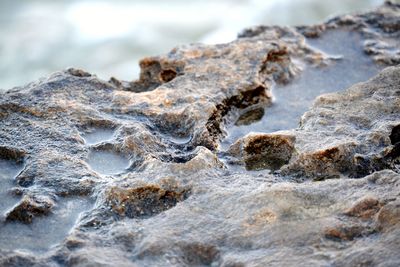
{"x":157,"y":185}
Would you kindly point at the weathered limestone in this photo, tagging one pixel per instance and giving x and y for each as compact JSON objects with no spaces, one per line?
{"x":157,"y":185}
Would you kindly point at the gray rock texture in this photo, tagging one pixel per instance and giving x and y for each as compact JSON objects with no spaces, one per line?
{"x":143,"y":173}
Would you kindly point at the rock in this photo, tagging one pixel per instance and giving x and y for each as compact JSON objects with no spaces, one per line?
{"x":357,"y":150}
{"x":143,"y":201}
{"x":29,"y":208}
{"x":155,"y":158}
{"x":264,"y":151}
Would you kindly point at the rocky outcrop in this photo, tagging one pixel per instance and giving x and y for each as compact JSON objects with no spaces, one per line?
{"x":355,"y":141}
{"x":150,"y":156}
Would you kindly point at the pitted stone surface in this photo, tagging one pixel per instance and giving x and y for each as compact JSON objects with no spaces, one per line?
{"x":182,"y":196}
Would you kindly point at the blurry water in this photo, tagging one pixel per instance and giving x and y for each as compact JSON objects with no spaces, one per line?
{"x":109,"y":37}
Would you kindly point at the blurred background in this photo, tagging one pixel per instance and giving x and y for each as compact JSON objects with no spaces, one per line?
{"x":109,"y":37}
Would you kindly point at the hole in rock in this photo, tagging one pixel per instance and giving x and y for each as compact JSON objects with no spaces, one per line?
{"x":395,"y":135}
{"x":10,"y":166}
{"x":44,"y":232}
{"x":108,"y":162}
{"x":293,"y":99}
{"x":153,"y":74}
{"x":167,"y":75}
{"x":98,"y":135}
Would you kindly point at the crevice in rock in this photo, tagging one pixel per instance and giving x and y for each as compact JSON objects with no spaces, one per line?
{"x":241,"y":101}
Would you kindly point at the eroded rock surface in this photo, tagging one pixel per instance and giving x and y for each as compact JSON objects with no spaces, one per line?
{"x":154,"y":172}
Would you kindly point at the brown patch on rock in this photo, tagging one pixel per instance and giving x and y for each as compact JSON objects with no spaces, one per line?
{"x":167,"y":75}
{"x":143,"y":201}
{"x":268,"y":151}
{"x":389,"y":216}
{"x":30,"y":207}
{"x":264,"y":151}
{"x":324,"y":163}
{"x":364,"y":208}
{"x":343,"y":233}
{"x":327,"y":154}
